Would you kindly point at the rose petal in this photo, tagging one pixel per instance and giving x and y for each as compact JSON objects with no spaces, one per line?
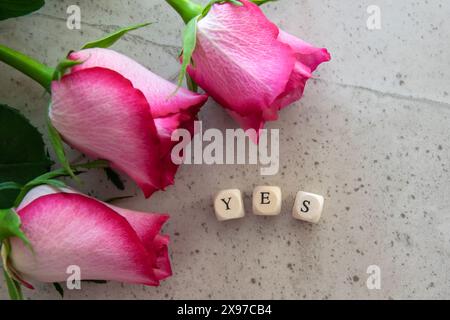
{"x":99,"y":112}
{"x":308,"y":59}
{"x":158,"y":91}
{"x":238,"y":59}
{"x":253,"y":122}
{"x":166,"y":126}
{"x":71,"y":229}
{"x":164,"y":269}
{"x":146,"y":225}
{"x":295,"y":86}
{"x":306,"y":53}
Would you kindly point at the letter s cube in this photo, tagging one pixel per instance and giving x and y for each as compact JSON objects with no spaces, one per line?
{"x":308,"y":207}
{"x":229,"y":205}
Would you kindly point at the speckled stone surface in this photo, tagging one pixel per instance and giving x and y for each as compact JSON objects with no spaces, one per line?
{"x":371,"y":135}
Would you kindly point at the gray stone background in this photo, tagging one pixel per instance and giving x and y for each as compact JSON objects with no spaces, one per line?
{"x":371,"y":135}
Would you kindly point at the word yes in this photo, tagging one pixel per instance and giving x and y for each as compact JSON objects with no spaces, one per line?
{"x":267,"y":200}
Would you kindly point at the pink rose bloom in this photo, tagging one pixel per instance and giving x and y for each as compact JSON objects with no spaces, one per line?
{"x":250,"y":66}
{"x":112,"y":108}
{"x":66,"y":228}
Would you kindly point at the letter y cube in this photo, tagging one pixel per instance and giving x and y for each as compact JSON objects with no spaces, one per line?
{"x":229,"y":205}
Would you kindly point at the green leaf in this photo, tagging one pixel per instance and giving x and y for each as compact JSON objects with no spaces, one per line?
{"x":22,"y":153}
{"x":112,"y":38}
{"x":10,"y":186}
{"x":189,"y":43}
{"x":10,"y":226}
{"x":59,"y":288}
{"x":14,"y":289}
{"x":17,"y":8}
{"x":58,"y":146}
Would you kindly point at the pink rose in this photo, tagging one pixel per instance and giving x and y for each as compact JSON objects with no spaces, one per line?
{"x":112,"y":108}
{"x":106,"y":242}
{"x":250,"y":66}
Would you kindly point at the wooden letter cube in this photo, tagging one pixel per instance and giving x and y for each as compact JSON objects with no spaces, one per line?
{"x":308,"y":207}
{"x":267,"y":201}
{"x":229,"y":205}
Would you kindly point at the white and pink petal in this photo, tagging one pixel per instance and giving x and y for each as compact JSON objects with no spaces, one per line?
{"x":68,"y":229}
{"x":158,"y":91}
{"x":100,"y":113}
{"x":238,"y":59}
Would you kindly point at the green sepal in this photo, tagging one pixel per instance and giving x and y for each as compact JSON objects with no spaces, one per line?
{"x":235,"y":2}
{"x":14,"y":288}
{"x":192,"y":85}
{"x":58,"y":146}
{"x":114,"y":199}
{"x":189,"y":43}
{"x":10,"y":226}
{"x":112,"y":38}
{"x":78,"y":168}
{"x":188,"y":9}
{"x":13,"y":285}
{"x":261,"y":2}
{"x":54,"y":183}
{"x":62,"y":67}
{"x":208,"y":7}
{"x":49,"y":178}
{"x":17,"y":8}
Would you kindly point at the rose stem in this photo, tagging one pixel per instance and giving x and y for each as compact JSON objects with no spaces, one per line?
{"x":29,"y":66}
